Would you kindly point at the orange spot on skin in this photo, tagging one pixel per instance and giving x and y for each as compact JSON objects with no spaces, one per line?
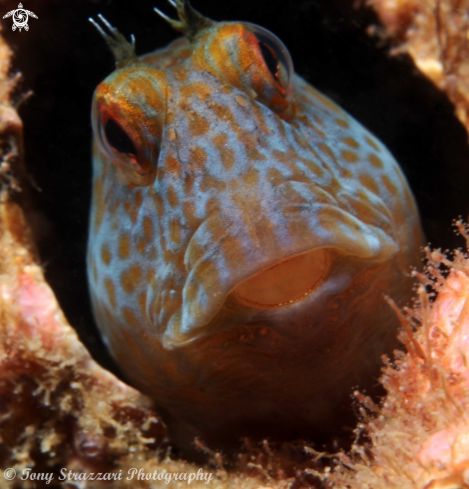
{"x":375,"y":161}
{"x":275,"y":176}
{"x":138,"y":198}
{"x":172,"y":197}
{"x":150,"y":276}
{"x":346,"y":173}
{"x":209,"y":183}
{"x":301,"y":140}
{"x":180,"y":74}
{"x":110,"y":291}
{"x":253,"y":154}
{"x":280,"y":156}
{"x":189,"y":215}
{"x":226,"y":154}
{"x":222,"y":112}
{"x":197,"y":89}
{"x":142,"y":303}
{"x":369,"y":183}
{"x":173,"y":166}
{"x":131,"y":210}
{"x":212,"y":206}
{"x":114,"y":206}
{"x":351,"y":142}
{"x":142,"y":246}
{"x":228,"y":158}
{"x":389,"y":186}
{"x":147,"y":228}
{"x":323,"y":100}
{"x":342,"y":123}
{"x":318,"y":131}
{"x":323,"y":147}
{"x":263,"y":127}
{"x":95,"y":270}
{"x":197,"y":158}
{"x":219,"y":141}
{"x":372,"y":143}
{"x":124,"y":246}
{"x":175,"y":230}
{"x":318,"y":120}
{"x":252,"y":177}
{"x":130,"y":317}
{"x":198,"y":125}
{"x":157,"y":199}
{"x":151,"y":253}
{"x":131,"y":278}
{"x":105,"y":254}
{"x":303,"y":121}
{"x":349,"y":156}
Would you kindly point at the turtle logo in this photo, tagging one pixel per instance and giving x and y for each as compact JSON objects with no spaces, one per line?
{"x":20,"y":18}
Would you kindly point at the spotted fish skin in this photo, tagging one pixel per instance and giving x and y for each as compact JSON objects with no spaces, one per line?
{"x":244,"y":230}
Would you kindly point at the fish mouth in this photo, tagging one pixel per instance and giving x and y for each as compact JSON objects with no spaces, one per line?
{"x":285,"y":283}
{"x":266,"y":266}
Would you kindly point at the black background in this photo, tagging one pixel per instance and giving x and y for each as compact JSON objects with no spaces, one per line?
{"x":63,"y":58}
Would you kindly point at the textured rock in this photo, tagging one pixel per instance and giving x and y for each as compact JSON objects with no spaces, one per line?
{"x":435,"y":36}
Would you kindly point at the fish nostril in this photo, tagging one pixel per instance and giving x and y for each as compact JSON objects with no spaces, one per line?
{"x":287,"y":282}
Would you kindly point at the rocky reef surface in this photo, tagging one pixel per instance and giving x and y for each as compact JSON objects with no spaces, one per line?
{"x":434,"y":34}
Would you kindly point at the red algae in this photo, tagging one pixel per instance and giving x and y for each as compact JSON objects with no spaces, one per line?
{"x":419,"y":436}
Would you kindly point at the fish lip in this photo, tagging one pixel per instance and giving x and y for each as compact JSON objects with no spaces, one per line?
{"x":174,"y":339}
{"x":209,"y":281}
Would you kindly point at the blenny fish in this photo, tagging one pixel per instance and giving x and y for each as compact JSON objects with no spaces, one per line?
{"x":244,"y":231}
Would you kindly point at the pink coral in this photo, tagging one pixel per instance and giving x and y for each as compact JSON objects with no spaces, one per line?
{"x":420,"y":435}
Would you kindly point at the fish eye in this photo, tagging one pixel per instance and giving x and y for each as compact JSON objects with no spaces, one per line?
{"x":115,"y":141}
{"x":118,"y":139}
{"x":271,"y":59}
{"x":276,"y":57}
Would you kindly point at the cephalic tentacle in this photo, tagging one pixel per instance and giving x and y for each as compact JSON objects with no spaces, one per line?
{"x":122,"y":50}
{"x":190,"y":21}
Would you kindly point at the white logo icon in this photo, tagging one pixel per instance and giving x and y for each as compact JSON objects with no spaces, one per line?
{"x":20,"y":18}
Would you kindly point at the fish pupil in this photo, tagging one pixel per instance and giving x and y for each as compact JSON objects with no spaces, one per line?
{"x":270,"y":58}
{"x":118,"y":138}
